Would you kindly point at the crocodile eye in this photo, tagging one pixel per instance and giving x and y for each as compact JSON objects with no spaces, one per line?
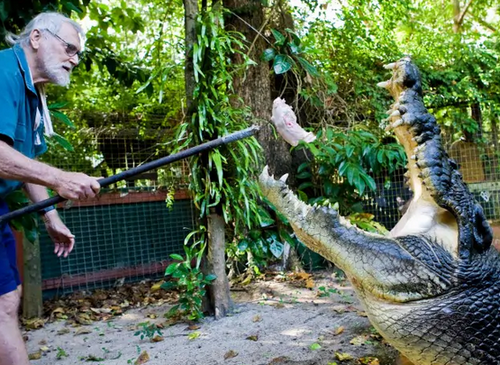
{"x":402,"y":109}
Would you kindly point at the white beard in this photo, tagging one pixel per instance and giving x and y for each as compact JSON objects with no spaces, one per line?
{"x":55,"y":71}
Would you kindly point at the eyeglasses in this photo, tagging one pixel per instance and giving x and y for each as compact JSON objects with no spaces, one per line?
{"x":70,"y":48}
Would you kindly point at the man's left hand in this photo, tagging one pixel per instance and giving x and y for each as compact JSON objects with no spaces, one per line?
{"x":63,"y":239}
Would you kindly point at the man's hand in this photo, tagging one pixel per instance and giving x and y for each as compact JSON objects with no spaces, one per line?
{"x":63,"y":239}
{"x":76,"y":186}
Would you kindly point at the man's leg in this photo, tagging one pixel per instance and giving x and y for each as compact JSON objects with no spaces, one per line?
{"x":12,"y":347}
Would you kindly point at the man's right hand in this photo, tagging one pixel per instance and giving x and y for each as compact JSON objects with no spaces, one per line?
{"x":76,"y":186}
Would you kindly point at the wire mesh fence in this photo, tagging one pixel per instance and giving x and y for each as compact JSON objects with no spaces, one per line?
{"x":479,"y":164}
{"x":129,"y":231}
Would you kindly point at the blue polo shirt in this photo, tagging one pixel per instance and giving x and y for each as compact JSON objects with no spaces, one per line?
{"x":18,"y":104}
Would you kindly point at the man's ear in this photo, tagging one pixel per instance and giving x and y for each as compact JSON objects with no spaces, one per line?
{"x":35,"y":37}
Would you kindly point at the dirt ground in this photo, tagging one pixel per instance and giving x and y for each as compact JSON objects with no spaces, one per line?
{"x":285,"y":319}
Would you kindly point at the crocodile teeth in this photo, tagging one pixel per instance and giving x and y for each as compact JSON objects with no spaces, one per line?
{"x":390,"y":66}
{"x":397,"y":123}
{"x":384,"y":84}
{"x":284,"y":177}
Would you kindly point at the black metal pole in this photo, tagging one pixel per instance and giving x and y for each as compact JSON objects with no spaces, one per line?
{"x":138,"y":170}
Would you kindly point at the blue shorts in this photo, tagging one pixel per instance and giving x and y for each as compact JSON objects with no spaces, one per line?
{"x":9,"y":274}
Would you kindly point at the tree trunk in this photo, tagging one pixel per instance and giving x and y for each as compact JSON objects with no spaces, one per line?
{"x":255,"y":87}
{"x":190,"y":13}
{"x":477,"y":115}
{"x":219,"y":290}
{"x":32,"y":279}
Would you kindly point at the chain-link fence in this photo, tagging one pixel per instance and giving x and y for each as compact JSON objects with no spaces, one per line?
{"x":130,"y":230}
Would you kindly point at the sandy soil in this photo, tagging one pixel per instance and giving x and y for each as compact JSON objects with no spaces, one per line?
{"x":277,"y":321}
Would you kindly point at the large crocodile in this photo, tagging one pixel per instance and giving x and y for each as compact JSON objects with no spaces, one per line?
{"x":432,"y":286}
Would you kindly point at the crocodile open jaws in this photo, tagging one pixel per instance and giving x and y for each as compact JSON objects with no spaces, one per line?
{"x":432,"y":286}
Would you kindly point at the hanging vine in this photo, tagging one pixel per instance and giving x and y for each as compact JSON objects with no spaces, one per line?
{"x":222,"y":180}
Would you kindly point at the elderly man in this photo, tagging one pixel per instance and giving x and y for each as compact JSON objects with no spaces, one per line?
{"x":45,"y":52}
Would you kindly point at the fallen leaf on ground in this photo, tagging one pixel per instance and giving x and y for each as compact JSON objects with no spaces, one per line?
{"x":194,"y":335}
{"x":34,"y":323}
{"x":257,"y":318}
{"x":35,"y":355}
{"x":157,"y":338}
{"x":339,"y":330}
{"x":83,"y":331}
{"x":63,"y":331}
{"x":279,"y":360}
{"x":360,"y":340}
{"x":315,"y":346}
{"x":343,"y":356}
{"x":193,"y":327}
{"x":369,"y":361}
{"x":230,"y":354}
{"x":142,"y":359}
{"x":253,"y":337}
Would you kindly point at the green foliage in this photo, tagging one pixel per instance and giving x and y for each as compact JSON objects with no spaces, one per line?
{"x":149,"y":330}
{"x":189,"y":280}
{"x":287,"y":52}
{"x":343,"y":167}
{"x":222,"y":178}
{"x":26,"y":223}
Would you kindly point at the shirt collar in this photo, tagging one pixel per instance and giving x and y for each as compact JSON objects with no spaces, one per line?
{"x":25,"y":69}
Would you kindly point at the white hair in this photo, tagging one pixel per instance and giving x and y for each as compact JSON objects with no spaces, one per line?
{"x":51,"y":21}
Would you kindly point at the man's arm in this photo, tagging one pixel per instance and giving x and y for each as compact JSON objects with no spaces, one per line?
{"x":62,"y":237}
{"x":69,"y":185}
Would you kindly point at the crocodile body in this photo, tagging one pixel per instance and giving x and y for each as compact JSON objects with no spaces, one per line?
{"x":432,"y":286}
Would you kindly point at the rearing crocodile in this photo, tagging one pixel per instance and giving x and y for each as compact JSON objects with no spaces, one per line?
{"x":432,"y":286}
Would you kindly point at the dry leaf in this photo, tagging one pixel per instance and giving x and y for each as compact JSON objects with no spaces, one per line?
{"x":253,"y":337}
{"x":309,"y":283}
{"x":83,"y":331}
{"x":279,"y":360}
{"x":157,"y":338}
{"x":157,"y":286}
{"x":35,"y":355}
{"x":230,"y":354}
{"x":339,"y":330}
{"x":193,"y":327}
{"x":257,"y":318}
{"x":152,"y":316}
{"x":142,"y":359}
{"x":34,"y":323}
{"x":369,"y":361}
{"x":343,"y":356}
{"x":359,"y":340}
{"x":63,"y":331}
{"x":44,"y":349}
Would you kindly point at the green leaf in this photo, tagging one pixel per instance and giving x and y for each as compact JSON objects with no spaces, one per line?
{"x":280,"y":38}
{"x":168,"y":285}
{"x":243,"y":245}
{"x":268,"y":54}
{"x":315,"y":346}
{"x":308,"y":67}
{"x":282,"y":63}
{"x":63,"y":142}
{"x":211,"y":277}
{"x":63,"y":118}
{"x":171,"y":269}
{"x":176,"y":256}
{"x":276,"y":248}
{"x":216,"y":158}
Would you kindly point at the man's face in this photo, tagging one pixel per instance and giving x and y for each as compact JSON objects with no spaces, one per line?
{"x":57,"y":59}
